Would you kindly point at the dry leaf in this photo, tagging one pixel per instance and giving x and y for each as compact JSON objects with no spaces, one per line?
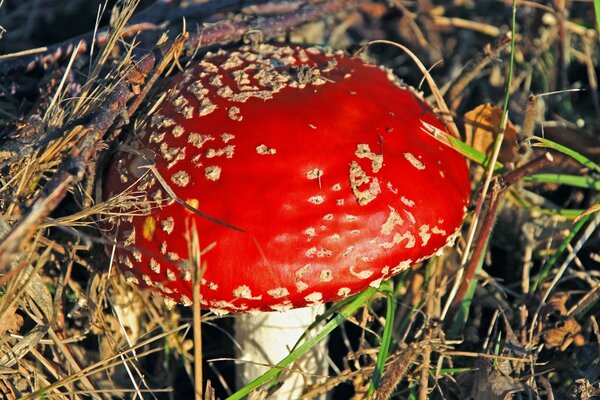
{"x":593,"y":209}
{"x":562,"y":335}
{"x":558,"y":329}
{"x":557,"y":305}
{"x":482,"y":125}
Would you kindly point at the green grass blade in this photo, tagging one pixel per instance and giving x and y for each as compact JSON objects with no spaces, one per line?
{"x":329,"y":312}
{"x":549,"y":144}
{"x":585,"y":182}
{"x":386,"y":339}
{"x":471,"y":153}
{"x":343,"y":315}
{"x":597,"y":12}
{"x":518,"y":198}
{"x":559,"y":252}
{"x":509,"y":78}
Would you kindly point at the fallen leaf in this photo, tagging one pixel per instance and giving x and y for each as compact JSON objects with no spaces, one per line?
{"x":562,"y":335}
{"x":558,"y":329}
{"x":482,"y":125}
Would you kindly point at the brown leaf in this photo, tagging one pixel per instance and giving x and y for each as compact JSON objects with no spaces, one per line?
{"x":482,"y":125}
{"x":563,"y":334}
{"x":558,"y":329}
{"x":557,"y":305}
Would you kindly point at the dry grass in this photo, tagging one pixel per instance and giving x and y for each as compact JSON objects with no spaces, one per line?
{"x":511,"y":312}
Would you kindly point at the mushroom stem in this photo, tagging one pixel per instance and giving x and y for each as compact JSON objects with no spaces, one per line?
{"x":266,"y":338}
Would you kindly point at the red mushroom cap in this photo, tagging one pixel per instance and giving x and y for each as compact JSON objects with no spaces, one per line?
{"x":320,"y":160}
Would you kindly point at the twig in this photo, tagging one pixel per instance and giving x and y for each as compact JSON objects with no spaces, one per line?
{"x":547,"y":386}
{"x":591,"y":72}
{"x":530,"y":168}
{"x":486,"y":29}
{"x":432,"y":311}
{"x":474,"y":67}
{"x":560,"y":13}
{"x":490,"y":171}
{"x":424,"y":378}
{"x":435,"y":48}
{"x":147,"y":19}
{"x":502,"y":184}
{"x":486,"y":229}
{"x":84,"y":156}
{"x":220,"y":32}
{"x":411,"y":21}
{"x":161,"y":65}
{"x":228,"y":31}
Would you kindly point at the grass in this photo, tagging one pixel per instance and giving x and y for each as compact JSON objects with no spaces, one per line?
{"x":512,"y":307}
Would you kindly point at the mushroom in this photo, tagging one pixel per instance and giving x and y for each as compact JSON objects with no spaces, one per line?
{"x":309,"y":174}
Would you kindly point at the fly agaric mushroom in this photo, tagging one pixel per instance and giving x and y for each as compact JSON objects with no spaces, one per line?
{"x":312,"y":173}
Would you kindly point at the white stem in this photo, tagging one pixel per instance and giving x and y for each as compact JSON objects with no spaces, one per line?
{"x":266,"y":338}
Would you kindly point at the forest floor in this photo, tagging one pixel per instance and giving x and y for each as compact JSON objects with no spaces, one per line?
{"x":511,"y":312}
